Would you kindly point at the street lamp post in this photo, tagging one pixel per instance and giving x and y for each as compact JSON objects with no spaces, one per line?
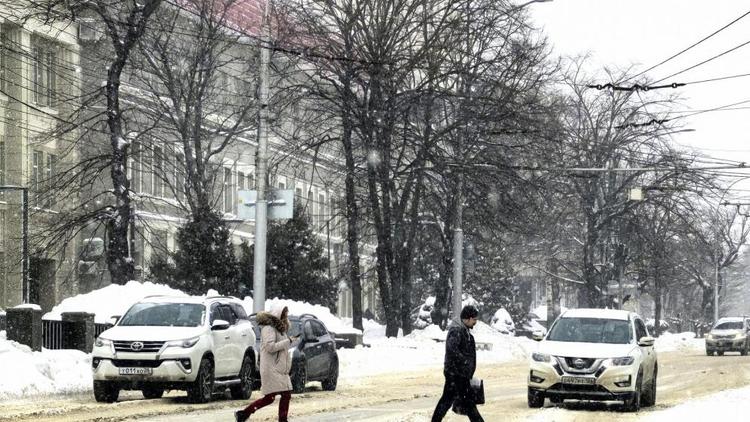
{"x":261,"y":205}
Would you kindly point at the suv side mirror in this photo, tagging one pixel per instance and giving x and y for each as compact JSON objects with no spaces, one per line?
{"x":114,"y":319}
{"x":537,"y":336}
{"x":219,"y":325}
{"x":646,"y":341}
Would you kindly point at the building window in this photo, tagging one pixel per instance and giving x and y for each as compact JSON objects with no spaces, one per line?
{"x":250,"y":181}
{"x":228,"y":191}
{"x":157,"y":173}
{"x":322,"y":214}
{"x":134,"y":168}
{"x":2,"y":163}
{"x":49,"y":174}
{"x":179,"y":177}
{"x":4,"y":51}
{"x":44,"y":65}
{"x":36,"y":176}
{"x":241,"y":180}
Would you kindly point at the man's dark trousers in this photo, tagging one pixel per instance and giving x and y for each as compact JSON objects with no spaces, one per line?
{"x":455,"y":387}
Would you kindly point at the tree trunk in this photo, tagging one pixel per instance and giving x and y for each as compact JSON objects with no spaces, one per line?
{"x":352,"y":232}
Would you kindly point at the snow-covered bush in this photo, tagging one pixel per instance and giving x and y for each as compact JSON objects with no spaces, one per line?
{"x":503,"y":322}
{"x":422,"y":317}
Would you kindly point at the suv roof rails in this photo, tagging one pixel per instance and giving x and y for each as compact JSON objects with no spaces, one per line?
{"x":308,"y":315}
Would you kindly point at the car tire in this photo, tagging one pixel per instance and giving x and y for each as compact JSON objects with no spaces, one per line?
{"x":649,"y":399}
{"x":535,"y":399}
{"x":152,"y":393}
{"x":201,"y":390}
{"x":743,"y":352}
{"x":709,"y":352}
{"x":106,"y":392}
{"x":299,"y":377}
{"x":329,"y":384}
{"x":244,"y":389}
{"x":634,"y":403}
{"x":720,"y":353}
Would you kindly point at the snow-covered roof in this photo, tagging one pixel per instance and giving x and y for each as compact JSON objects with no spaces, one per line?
{"x":596,"y":313}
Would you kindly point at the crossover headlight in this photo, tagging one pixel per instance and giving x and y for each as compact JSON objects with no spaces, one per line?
{"x":710,"y":337}
{"x":740,"y":335}
{"x":187,"y":343}
{"x":540,"y":357}
{"x":623,"y":361}
{"x":102,"y":342}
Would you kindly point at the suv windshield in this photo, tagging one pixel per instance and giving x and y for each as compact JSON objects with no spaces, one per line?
{"x":591,"y":330}
{"x":732,"y":325}
{"x":164,"y":315}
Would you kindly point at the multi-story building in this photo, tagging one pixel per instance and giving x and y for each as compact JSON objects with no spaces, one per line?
{"x":39,"y":80}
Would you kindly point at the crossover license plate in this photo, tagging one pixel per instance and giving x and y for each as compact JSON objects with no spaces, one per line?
{"x":578,"y":380}
{"x":136,"y":371}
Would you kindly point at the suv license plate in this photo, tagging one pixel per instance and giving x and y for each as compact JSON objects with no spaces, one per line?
{"x":578,"y":380}
{"x":136,"y":371}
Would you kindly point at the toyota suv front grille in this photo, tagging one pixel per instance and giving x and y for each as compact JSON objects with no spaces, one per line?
{"x":138,"y":346}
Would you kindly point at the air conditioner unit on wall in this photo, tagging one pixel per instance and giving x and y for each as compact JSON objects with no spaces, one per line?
{"x":89,"y":30}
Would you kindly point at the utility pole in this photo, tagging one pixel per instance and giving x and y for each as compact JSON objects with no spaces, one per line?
{"x":261,"y":206}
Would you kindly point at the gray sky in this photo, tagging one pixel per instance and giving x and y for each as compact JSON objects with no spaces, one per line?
{"x":642,"y":33}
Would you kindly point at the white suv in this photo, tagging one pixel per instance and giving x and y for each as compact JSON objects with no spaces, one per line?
{"x":162,"y":343}
{"x":594,"y":354}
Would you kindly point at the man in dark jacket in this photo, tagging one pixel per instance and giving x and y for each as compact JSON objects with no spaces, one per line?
{"x":460,"y":363}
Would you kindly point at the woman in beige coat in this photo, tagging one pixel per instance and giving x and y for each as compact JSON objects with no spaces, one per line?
{"x":275,"y":363}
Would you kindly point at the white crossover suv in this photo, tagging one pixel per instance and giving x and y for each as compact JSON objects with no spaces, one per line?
{"x":594,"y":354}
{"x":197,"y":344}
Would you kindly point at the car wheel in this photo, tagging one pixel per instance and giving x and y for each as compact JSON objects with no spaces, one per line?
{"x":244,"y":389}
{"x":720,"y":353}
{"x":743,"y":352}
{"x":152,"y":393}
{"x":634,"y":403}
{"x":709,"y":352}
{"x":649,"y":399}
{"x":329,"y":384}
{"x":535,"y":399}
{"x":202,"y":388}
{"x":299,"y":377}
{"x":105,"y":391}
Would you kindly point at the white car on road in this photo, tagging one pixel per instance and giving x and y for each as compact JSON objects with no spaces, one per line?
{"x":594,"y":354}
{"x":197,"y":344}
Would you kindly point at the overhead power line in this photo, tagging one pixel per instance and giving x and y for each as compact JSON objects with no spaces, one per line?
{"x":692,"y":46}
{"x":737,"y":47}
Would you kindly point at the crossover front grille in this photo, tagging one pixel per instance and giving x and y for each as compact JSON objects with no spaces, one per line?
{"x":138,"y":346}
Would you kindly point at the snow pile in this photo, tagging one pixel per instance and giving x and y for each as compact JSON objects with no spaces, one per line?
{"x":112,"y":300}
{"x":503,"y":322}
{"x":729,"y":405}
{"x":331,"y":321}
{"x":682,"y":342}
{"x":422,"y":349}
{"x":28,"y":373}
{"x":540,"y":312}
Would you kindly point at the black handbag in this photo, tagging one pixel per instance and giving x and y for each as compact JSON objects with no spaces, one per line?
{"x":474,"y":396}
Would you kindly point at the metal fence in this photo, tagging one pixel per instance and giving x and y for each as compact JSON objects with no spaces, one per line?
{"x":53,"y":333}
{"x":3,"y":321}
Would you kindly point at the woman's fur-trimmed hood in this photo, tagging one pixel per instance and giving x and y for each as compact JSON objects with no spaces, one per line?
{"x":268,"y":318}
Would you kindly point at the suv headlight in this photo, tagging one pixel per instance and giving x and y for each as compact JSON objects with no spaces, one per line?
{"x":710,"y":336}
{"x":739,"y":335}
{"x":623,"y":361}
{"x":185,"y":344}
{"x":540,"y":357}
{"x":102,"y":342}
